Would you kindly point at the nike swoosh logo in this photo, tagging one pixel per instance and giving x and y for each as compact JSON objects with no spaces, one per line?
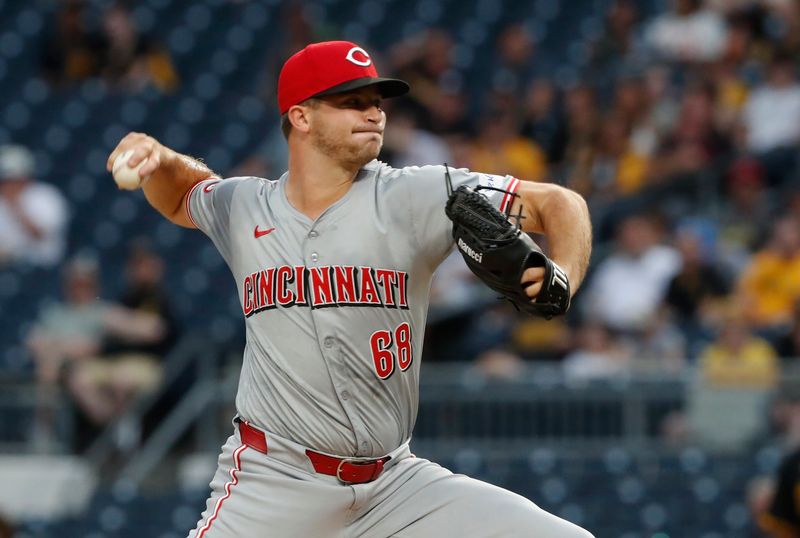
{"x":260,"y":233}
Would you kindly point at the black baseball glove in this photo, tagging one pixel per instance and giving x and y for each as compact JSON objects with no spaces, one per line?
{"x":498,"y":251}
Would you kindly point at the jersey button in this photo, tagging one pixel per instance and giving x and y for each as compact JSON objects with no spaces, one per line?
{"x":328,"y":342}
{"x":312,"y":234}
{"x":345,"y":395}
{"x":314,"y":256}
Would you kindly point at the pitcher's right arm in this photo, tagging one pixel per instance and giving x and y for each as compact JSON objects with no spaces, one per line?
{"x":172,"y":175}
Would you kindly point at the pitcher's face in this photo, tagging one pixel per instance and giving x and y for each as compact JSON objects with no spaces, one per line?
{"x":349,"y":126}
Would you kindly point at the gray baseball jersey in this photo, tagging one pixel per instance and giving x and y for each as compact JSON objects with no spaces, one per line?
{"x":335,"y":312}
{"x":335,"y":307}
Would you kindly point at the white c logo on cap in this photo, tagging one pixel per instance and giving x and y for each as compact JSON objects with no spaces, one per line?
{"x":351,"y":57}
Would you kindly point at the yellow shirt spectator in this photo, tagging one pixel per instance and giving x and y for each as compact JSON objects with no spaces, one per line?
{"x":631,"y":171}
{"x":518,"y":157}
{"x":752,"y":364}
{"x":770,"y":288}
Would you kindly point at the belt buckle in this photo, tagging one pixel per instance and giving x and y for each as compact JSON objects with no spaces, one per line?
{"x":351,"y":461}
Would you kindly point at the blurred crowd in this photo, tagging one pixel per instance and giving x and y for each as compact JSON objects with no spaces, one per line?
{"x":104,"y":353}
{"x":681,"y":131}
{"x":82,"y":43}
{"x":683,"y":136}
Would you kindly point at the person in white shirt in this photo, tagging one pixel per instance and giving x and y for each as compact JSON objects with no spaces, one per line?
{"x":33,"y":215}
{"x":771,"y":115}
{"x":599,"y":356}
{"x":689,"y":33}
{"x":629,"y":285}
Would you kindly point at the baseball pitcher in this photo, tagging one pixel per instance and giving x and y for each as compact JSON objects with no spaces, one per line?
{"x":333,"y":263}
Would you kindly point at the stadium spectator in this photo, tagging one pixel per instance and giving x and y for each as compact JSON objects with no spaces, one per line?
{"x":663,"y":104}
{"x":616,"y":46}
{"x":633,"y":106}
{"x":689,"y":33}
{"x":788,"y":14}
{"x":69,"y":338}
{"x":145,"y":294}
{"x":450,"y":116}
{"x":71,"y":51}
{"x":745,"y":211}
{"x":696,"y":291}
{"x":770,"y":285}
{"x":781,"y":518}
{"x":695,"y":142}
{"x":461,"y":322}
{"x":514,"y":65}
{"x":423,"y":60}
{"x":65,"y":332}
{"x":661,"y":346}
{"x":500,"y":149}
{"x":138,"y":332}
{"x":611,"y":168}
{"x":788,"y":344}
{"x":737,"y":357}
{"x":33,"y":215}
{"x":772,"y":113}
{"x":737,"y":375}
{"x":132,"y":61}
{"x":790,"y":202}
{"x":771,"y":119}
{"x":731,"y":96}
{"x":599,"y":355}
{"x":406,"y":144}
{"x":759,"y":494}
{"x":628,"y":286}
{"x":582,"y":121}
{"x":740,"y":39}
{"x":543,"y":121}
{"x":6,"y":528}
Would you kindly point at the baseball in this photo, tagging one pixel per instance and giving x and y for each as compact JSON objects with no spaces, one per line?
{"x":126,"y":177}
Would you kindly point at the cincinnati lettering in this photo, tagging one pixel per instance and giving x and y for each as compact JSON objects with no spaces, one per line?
{"x":477,"y":256}
{"x":321,"y":287}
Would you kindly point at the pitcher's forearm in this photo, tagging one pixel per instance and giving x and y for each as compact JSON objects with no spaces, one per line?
{"x":168,"y":186}
{"x":566,"y":223}
{"x":562,"y":216}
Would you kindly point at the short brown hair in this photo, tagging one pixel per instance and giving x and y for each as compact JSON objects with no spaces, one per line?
{"x":286,"y":126}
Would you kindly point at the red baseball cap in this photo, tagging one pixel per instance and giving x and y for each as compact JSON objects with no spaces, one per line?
{"x":331,"y":67}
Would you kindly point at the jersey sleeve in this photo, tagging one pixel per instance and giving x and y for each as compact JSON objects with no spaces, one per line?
{"x":208,"y":206}
{"x":427,"y":195}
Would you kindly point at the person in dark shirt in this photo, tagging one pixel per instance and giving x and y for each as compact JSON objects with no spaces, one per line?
{"x":129,"y":363}
{"x":132,"y":60}
{"x":782,"y":520}
{"x":788,"y":344}
{"x":692,"y":292}
{"x":145,"y":294}
{"x":71,"y":51}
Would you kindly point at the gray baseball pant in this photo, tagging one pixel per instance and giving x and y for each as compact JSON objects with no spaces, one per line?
{"x":279,"y":494}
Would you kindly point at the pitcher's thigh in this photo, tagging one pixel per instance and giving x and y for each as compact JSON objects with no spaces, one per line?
{"x":438,"y":503}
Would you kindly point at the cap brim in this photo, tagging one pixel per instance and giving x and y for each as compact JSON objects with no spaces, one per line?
{"x":389,"y":87}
